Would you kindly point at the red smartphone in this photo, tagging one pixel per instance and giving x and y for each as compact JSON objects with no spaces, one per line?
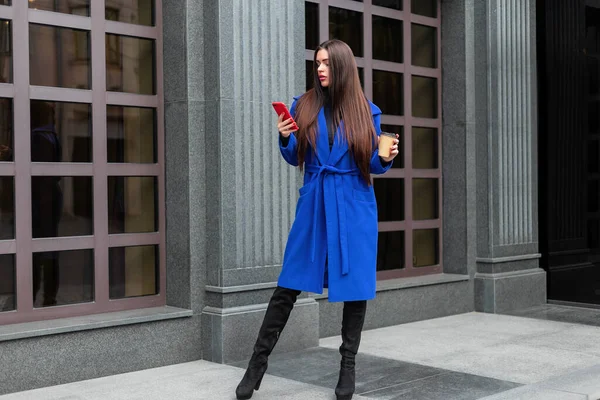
{"x":281,"y":108}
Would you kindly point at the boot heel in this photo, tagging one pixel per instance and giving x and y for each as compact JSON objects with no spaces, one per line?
{"x":258,"y":383}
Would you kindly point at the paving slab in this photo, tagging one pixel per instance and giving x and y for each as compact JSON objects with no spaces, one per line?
{"x":196,"y":380}
{"x":503,"y":347}
{"x":535,"y":393}
{"x":585,"y":381}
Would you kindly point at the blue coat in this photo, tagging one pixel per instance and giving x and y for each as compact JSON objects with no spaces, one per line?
{"x":336,"y":220}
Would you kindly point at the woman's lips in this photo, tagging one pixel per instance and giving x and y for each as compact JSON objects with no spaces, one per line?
{"x":322,"y":78}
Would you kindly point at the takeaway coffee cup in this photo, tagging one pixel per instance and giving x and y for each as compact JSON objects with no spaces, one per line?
{"x":386,"y":141}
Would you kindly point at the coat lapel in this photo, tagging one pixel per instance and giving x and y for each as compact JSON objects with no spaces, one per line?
{"x":339,"y":149}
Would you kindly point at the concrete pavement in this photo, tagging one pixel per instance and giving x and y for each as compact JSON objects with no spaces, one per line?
{"x":464,"y":357}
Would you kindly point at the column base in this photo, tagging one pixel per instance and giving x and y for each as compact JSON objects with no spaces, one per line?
{"x":228,"y":334}
{"x":507,"y":291}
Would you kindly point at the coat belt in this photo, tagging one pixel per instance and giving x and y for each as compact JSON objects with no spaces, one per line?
{"x":321,"y":172}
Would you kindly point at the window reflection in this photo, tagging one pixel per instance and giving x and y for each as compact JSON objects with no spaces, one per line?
{"x":399,"y":130}
{"x":424,"y":148}
{"x":387,"y":39}
{"x":61,"y":132}
{"x":59,"y":57}
{"x":6,"y":130}
{"x":427,"y":8}
{"x":389,"y":193}
{"x":7,"y":207}
{"x":311,"y":19}
{"x":63,"y":277}
{"x":139,"y":12}
{"x":130,"y":64}
{"x":80,"y":7}
{"x":7,"y":282}
{"x":61,"y":206}
{"x":424,"y":97}
{"x":132,"y":204}
{"x":395,"y":4}
{"x":388,"y":92}
{"x":6,"y":56}
{"x":347,"y":25}
{"x":131,"y":134}
{"x":310,"y":75}
{"x":425,"y":247}
{"x":133,"y":271}
{"x":390,"y":251}
{"x":424,"y":46}
{"x":425,"y":199}
{"x":5,"y":2}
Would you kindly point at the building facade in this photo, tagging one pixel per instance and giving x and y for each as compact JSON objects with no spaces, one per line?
{"x":145,"y":207}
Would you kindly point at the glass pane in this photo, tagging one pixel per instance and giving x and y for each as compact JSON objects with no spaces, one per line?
{"x":139,"y":12}
{"x":311,"y":19}
{"x":81,"y":7}
{"x":61,"y":132}
{"x":388,"y":92}
{"x":425,"y":199}
{"x":390,"y":251}
{"x":361,"y":76}
{"x":5,"y":2}
{"x":399,"y":130}
{"x":427,"y":8}
{"x":310,"y":75}
{"x":133,"y":271}
{"x":6,"y":130}
{"x":7,"y":282}
{"x":389,"y":193}
{"x":425,"y":247}
{"x":131,"y":134}
{"x":63,"y":277}
{"x":347,"y":26}
{"x":424,"y":148}
{"x":424,"y":46}
{"x":6,"y":57}
{"x":387,"y":39}
{"x":59,"y":57}
{"x":61,"y":206}
{"x":132,"y":204}
{"x":395,"y":4}
{"x":130,"y":64}
{"x":424,"y":97}
{"x":7,"y":207}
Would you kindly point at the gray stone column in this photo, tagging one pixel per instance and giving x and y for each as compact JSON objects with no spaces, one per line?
{"x":508,"y":276}
{"x":253,"y":55}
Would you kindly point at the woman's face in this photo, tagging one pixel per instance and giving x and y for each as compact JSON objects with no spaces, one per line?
{"x":323,"y":67}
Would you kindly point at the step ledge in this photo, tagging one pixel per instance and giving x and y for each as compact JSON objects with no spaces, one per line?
{"x":88,"y":322}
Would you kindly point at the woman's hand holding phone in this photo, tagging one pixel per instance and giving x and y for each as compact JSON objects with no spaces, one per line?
{"x":286,"y":127}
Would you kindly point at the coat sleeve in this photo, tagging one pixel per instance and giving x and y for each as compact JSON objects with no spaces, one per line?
{"x":378,"y":166}
{"x":289,"y":146}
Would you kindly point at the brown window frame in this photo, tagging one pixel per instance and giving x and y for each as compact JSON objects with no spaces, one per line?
{"x":408,"y":173}
{"x":22,"y":169}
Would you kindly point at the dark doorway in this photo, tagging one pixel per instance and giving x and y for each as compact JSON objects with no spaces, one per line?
{"x":568,"y":44}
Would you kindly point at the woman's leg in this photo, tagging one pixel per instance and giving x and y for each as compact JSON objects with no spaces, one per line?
{"x":278,"y":312}
{"x":352,"y":324}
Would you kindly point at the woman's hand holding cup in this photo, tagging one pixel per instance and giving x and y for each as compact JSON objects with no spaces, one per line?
{"x":388,"y":146}
{"x":287,"y":127}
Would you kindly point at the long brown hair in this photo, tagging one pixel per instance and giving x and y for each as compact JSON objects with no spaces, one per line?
{"x":350,"y":109}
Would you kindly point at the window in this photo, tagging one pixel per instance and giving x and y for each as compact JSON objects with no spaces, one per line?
{"x":402,"y":76}
{"x":81,"y":193}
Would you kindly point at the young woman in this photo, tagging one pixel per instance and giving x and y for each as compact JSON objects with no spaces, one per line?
{"x":333,"y":241}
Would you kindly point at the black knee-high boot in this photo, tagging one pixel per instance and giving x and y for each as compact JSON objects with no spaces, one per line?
{"x":278,"y":312}
{"x":352,"y":324}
